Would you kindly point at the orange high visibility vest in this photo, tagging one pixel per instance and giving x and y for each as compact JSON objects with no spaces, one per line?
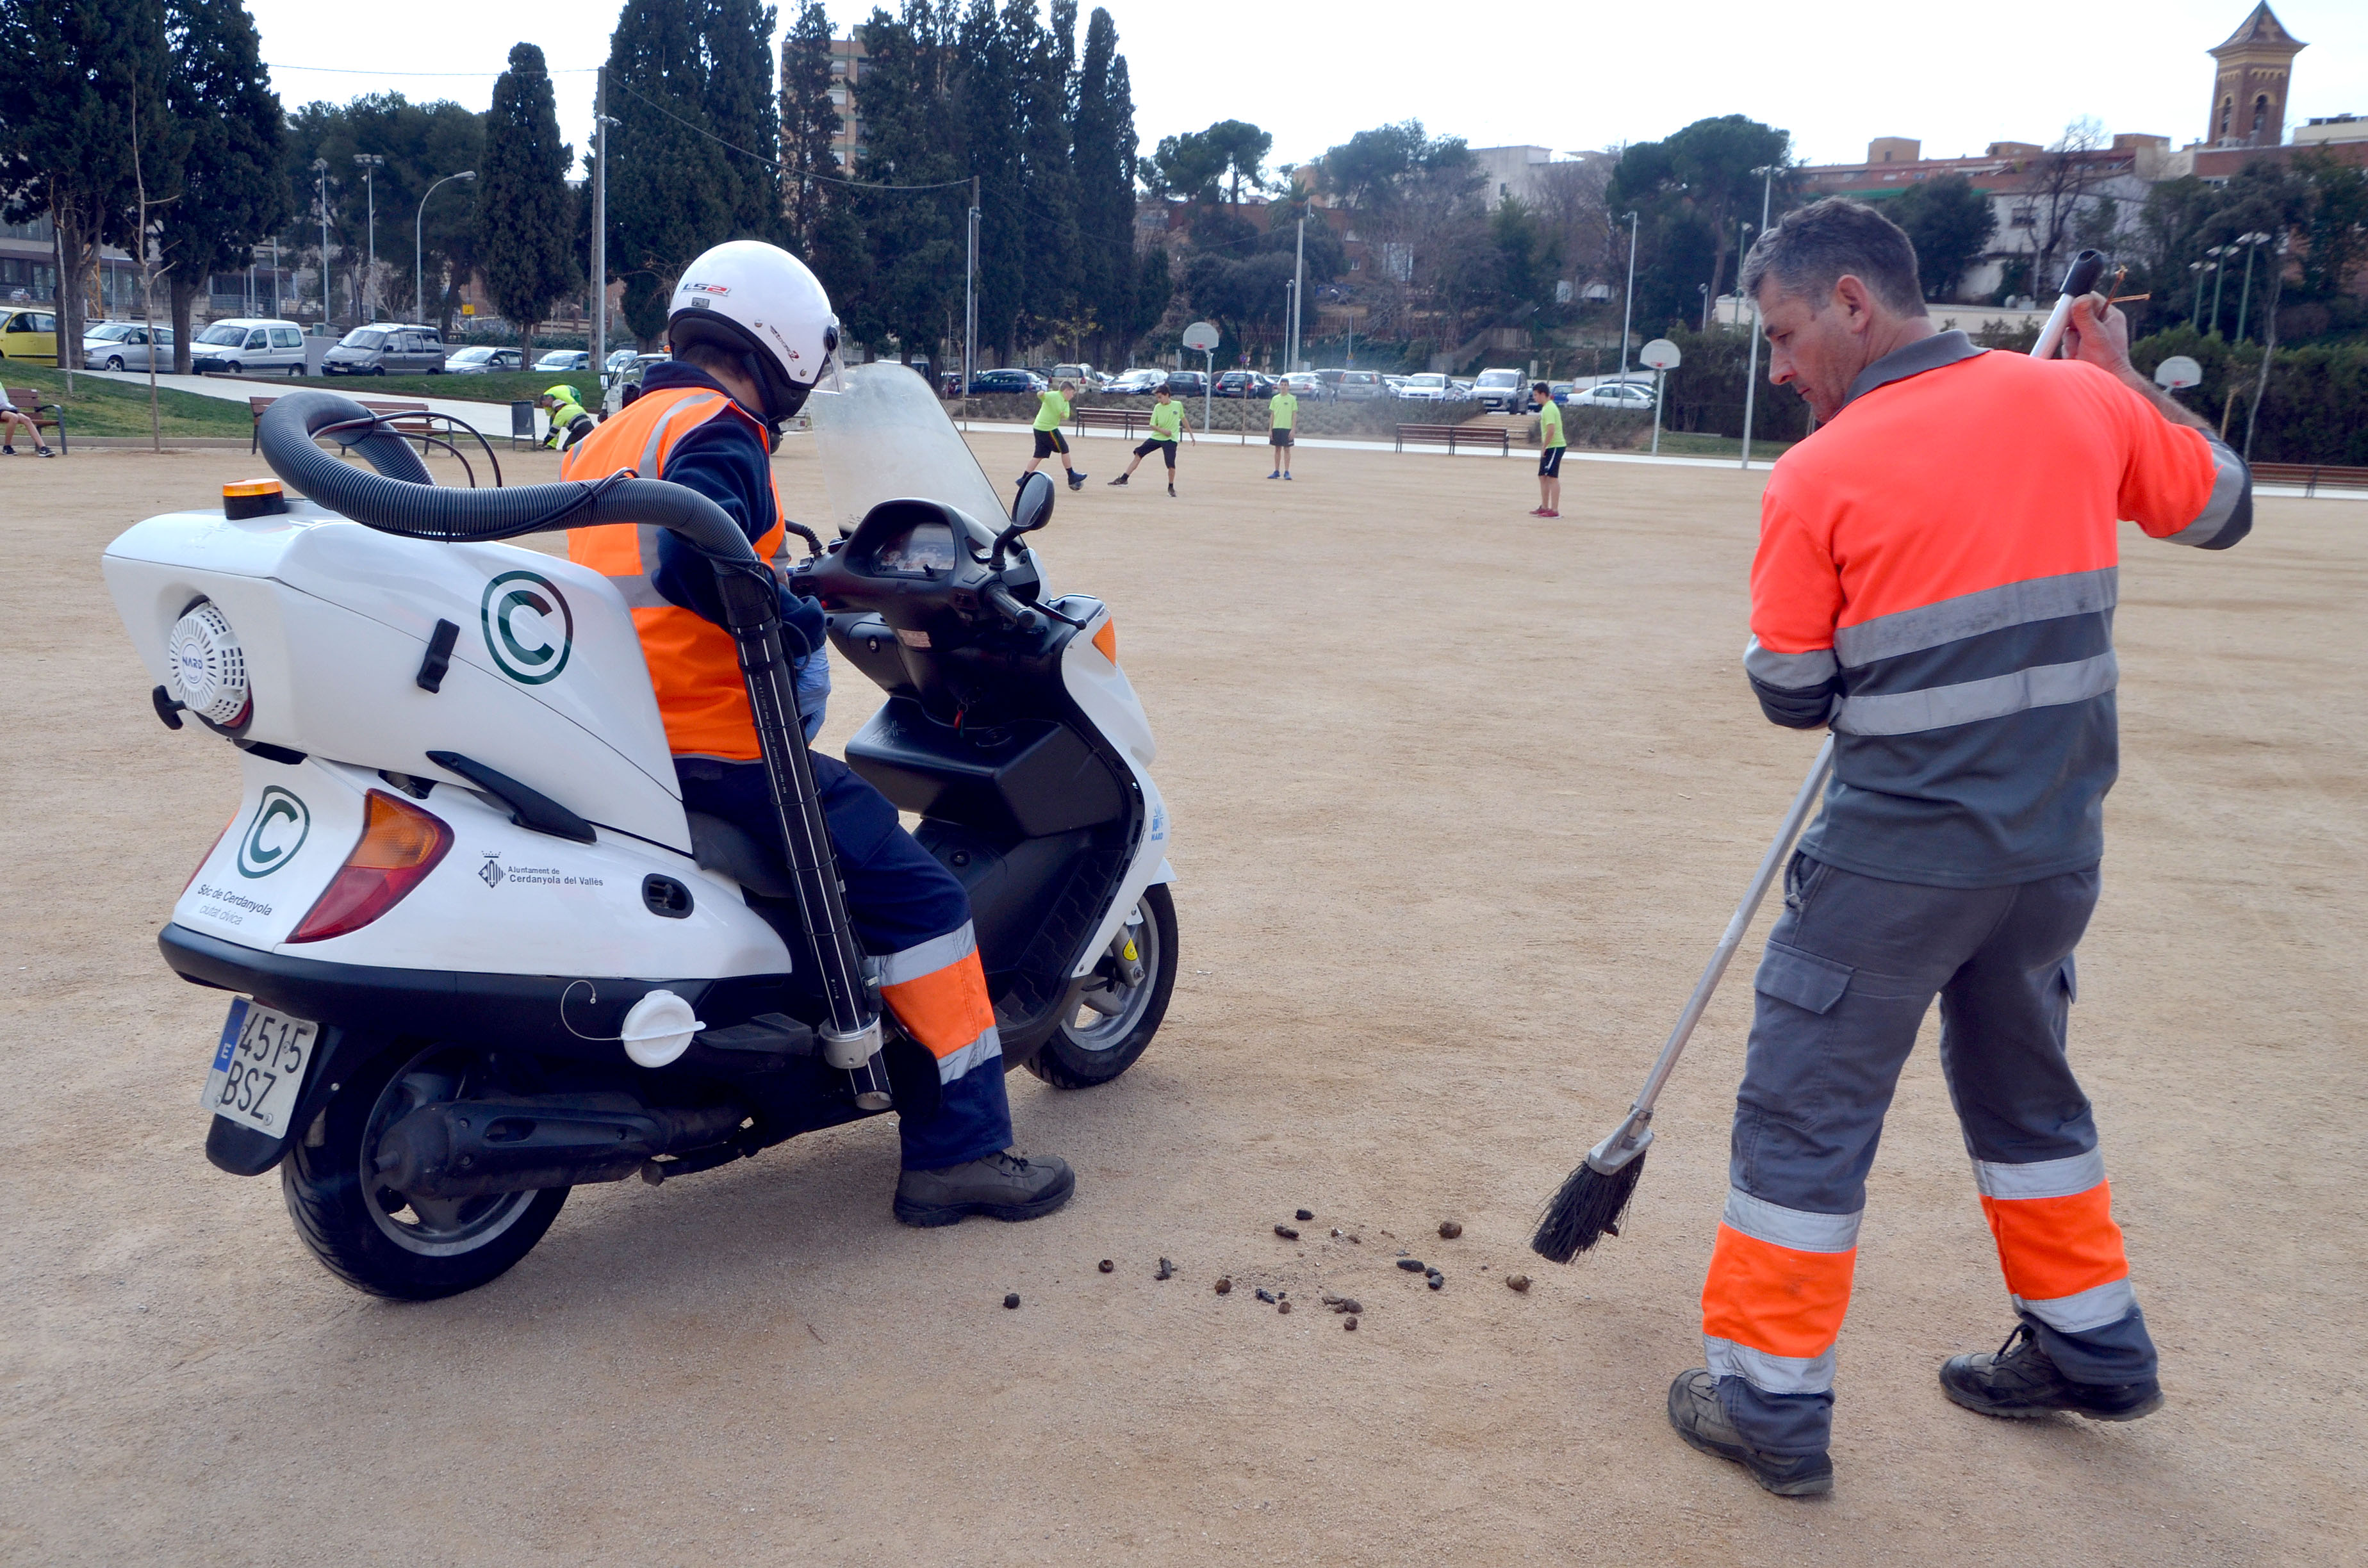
{"x":694,"y":666}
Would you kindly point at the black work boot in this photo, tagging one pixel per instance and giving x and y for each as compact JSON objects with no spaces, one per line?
{"x":2020,"y":1380}
{"x":1700,"y":1420}
{"x":1004,"y":1185}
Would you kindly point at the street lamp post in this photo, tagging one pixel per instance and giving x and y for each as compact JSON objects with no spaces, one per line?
{"x":369,"y":164}
{"x":2219,"y":277}
{"x":1628,"y":305}
{"x":600,"y":123}
{"x":321,"y":173}
{"x":419,"y":249}
{"x":2252,"y":243}
{"x":1752,"y":376}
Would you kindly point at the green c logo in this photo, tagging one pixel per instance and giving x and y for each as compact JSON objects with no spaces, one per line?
{"x":278,"y":831}
{"x":525,"y":653}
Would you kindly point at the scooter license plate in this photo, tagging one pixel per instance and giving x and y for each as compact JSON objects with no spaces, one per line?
{"x":258,"y":1067}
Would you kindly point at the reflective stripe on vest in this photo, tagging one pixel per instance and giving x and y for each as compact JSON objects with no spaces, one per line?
{"x":694,"y":666}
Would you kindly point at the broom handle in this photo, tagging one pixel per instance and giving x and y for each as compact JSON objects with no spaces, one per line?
{"x":1770,"y":864}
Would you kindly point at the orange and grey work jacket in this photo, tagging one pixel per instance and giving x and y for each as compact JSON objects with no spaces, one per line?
{"x":694,"y":664}
{"x":1936,"y":578}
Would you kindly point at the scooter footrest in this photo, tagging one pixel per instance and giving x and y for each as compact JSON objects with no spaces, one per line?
{"x":766,"y":1034}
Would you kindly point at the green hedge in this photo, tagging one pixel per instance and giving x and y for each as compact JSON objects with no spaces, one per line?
{"x":2314,"y":409}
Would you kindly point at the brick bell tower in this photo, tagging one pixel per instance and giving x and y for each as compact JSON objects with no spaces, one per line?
{"x":2248,"y":92}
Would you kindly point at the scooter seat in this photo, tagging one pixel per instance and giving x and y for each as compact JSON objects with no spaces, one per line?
{"x":732,"y":851}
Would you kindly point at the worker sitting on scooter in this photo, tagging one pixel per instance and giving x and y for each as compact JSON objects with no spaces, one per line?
{"x":569,"y":423}
{"x":752,"y":330}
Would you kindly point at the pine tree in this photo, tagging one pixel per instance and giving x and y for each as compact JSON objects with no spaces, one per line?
{"x":1104,"y":162}
{"x":525,"y":224}
{"x":232,"y":190}
{"x":670,"y":196}
{"x":79,"y":85}
{"x":809,"y":122}
{"x":742,"y":111}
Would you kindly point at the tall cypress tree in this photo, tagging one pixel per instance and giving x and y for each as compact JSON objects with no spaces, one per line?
{"x":525,"y":217}
{"x":1048,"y":190}
{"x":986,"y":112}
{"x":80,"y":85}
{"x":670,"y":196}
{"x":914,"y":242}
{"x":1104,"y":163}
{"x":741,"y":108}
{"x":232,"y":189}
{"x":809,"y":122}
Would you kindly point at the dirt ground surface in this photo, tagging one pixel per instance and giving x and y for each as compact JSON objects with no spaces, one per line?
{"x":1461,"y":799}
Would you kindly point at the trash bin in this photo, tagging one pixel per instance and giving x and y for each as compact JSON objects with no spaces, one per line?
{"x":522,"y":423}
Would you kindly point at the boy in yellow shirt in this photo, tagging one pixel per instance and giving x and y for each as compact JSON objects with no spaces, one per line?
{"x":1167,"y":428}
{"x":1053,"y":409}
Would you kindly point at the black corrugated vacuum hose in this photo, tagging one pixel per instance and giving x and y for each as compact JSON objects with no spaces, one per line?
{"x":401,"y":498}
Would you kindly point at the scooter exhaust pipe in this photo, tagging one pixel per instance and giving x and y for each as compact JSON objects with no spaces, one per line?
{"x":471,"y":1148}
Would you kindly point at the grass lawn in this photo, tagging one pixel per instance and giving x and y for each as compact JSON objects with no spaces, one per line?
{"x":498,"y":388}
{"x":101,"y":407}
{"x":1689,"y":444}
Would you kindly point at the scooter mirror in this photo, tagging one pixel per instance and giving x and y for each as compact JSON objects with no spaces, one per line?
{"x":1032,"y":508}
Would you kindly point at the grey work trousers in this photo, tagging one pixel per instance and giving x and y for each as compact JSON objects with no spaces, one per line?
{"x":1851,"y":967}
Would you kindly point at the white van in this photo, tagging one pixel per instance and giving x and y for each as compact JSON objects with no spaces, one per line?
{"x":242,"y":345}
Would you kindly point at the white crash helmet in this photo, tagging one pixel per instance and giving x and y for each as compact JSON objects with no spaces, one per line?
{"x":763,"y":305}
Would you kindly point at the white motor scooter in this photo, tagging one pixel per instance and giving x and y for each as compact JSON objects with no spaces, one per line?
{"x":481,"y":952}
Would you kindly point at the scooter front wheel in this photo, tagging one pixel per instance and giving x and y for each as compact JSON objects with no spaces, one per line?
{"x":1123,"y":1003}
{"x":381,"y":1241}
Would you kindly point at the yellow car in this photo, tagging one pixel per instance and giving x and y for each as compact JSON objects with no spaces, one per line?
{"x":30,"y":336}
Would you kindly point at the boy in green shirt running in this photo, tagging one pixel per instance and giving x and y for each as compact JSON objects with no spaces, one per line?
{"x":1053,"y":409}
{"x":1281,"y":413}
{"x":1167,"y":426}
{"x":1550,"y":448}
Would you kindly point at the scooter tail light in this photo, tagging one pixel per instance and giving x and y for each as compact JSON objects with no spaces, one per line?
{"x":399,"y":845}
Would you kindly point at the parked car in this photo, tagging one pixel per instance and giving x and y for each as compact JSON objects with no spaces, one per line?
{"x":124,"y":345}
{"x":1428,"y":387}
{"x":1359,"y":386}
{"x":1006,"y":382}
{"x":565,"y":359}
{"x":1084,"y":375}
{"x":384,"y":348}
{"x":625,"y":383}
{"x":249,"y":344}
{"x":1459,"y":390}
{"x":1305,"y":384}
{"x":1186,"y":383}
{"x":1614,"y":395}
{"x":1501,"y":392}
{"x":1246,"y":383}
{"x":482,"y":361}
{"x":1136,"y":383}
{"x":1560,"y":391}
{"x":619,"y":359}
{"x":30,"y":336}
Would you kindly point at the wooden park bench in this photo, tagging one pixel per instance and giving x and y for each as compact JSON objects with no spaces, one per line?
{"x":1128,"y":420}
{"x":2310,"y":476}
{"x":44,"y":415}
{"x":1454,"y":436}
{"x":412,"y":421}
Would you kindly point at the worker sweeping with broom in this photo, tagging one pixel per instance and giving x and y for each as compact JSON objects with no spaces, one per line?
{"x":1935,"y":583}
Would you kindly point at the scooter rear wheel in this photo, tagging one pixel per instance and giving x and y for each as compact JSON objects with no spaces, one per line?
{"x":1115,"y":1022}
{"x":378,"y":1239}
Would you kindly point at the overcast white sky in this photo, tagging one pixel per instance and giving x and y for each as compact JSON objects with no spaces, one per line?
{"x":1571,"y":74}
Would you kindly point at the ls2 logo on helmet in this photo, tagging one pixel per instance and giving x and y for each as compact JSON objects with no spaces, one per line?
{"x":529,"y":631}
{"x":280,"y":822}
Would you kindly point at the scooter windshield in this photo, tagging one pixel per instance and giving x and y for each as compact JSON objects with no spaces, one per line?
{"x":884,"y":436}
